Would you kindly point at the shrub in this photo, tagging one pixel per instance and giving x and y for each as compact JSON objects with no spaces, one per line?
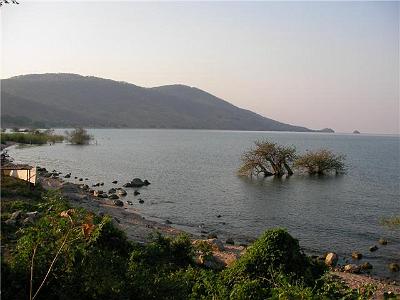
{"x":78,"y":136}
{"x":320,"y":162}
{"x":275,"y":252}
{"x":267,"y":158}
{"x":35,"y":137}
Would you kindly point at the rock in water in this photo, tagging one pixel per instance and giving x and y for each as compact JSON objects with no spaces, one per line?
{"x":135,"y":193}
{"x":168,"y":222}
{"x":393,"y":267}
{"x":146,"y":182}
{"x":383,"y":241}
{"x":356,"y":255}
{"x":331,"y":259}
{"x":137,"y":182}
{"x":115,"y":182}
{"x":373,"y":248}
{"x":112,"y":191}
{"x":113,"y":196}
{"x":141,"y":201}
{"x":366,"y":266}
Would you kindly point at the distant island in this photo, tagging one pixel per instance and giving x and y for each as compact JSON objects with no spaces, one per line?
{"x":356,"y":132}
{"x":70,"y":100}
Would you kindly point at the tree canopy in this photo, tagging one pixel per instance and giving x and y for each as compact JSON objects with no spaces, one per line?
{"x":268,"y":158}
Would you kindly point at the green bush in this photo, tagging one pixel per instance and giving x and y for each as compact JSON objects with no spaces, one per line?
{"x":78,"y":136}
{"x":275,"y":252}
{"x":36,"y":137}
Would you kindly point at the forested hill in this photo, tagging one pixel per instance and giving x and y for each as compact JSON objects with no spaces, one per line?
{"x":67,"y":100}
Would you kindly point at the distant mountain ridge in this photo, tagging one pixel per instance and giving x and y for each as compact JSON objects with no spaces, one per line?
{"x":68,"y":100}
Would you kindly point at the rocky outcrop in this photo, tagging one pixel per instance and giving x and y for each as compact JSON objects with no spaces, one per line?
{"x":331,"y":259}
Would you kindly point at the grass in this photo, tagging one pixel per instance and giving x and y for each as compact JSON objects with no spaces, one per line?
{"x":37,"y":138}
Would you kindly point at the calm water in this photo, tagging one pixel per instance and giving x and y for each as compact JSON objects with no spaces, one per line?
{"x":193,"y":176}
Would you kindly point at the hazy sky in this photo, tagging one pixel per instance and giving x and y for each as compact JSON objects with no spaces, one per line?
{"x":316,"y":64}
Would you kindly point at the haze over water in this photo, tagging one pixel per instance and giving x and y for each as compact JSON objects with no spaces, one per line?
{"x":193,"y":176}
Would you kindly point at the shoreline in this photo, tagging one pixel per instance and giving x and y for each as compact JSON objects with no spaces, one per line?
{"x":138,"y":229}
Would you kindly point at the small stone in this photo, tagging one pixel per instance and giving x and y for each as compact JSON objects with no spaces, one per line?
{"x":373,"y":248}
{"x":393,"y":267}
{"x":356,"y":255}
{"x":383,"y":241}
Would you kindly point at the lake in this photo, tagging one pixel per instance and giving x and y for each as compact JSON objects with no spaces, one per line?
{"x":193,"y":176}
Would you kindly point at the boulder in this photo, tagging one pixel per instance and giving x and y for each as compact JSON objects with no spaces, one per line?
{"x":230,"y":241}
{"x":366,"y":266}
{"x":128,"y":184}
{"x":113,"y":196}
{"x":112,"y":191}
{"x":393,"y":267}
{"x":331,"y":259}
{"x":67,"y":176}
{"x":137,"y":182}
{"x":168,"y":222}
{"x":373,"y":248}
{"x":118,"y":203}
{"x":135,"y":193}
{"x":383,"y":241}
{"x":210,"y":262}
{"x":129,"y":202}
{"x":356,"y":255}
{"x":101,"y":183}
{"x":80,"y":179}
{"x":146,"y":182}
{"x":121,"y":192}
{"x":141,"y":201}
{"x":115,"y":182}
{"x":219,"y":216}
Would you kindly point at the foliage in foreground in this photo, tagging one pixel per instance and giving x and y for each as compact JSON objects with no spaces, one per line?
{"x":78,"y":136}
{"x":35,"y":137}
{"x":74,"y":254}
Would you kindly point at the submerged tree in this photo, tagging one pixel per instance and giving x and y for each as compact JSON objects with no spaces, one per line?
{"x":268,"y":159}
{"x":78,"y":136}
{"x":321,"y":162}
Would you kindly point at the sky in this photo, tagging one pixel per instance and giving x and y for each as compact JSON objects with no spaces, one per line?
{"x":315,"y":64}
